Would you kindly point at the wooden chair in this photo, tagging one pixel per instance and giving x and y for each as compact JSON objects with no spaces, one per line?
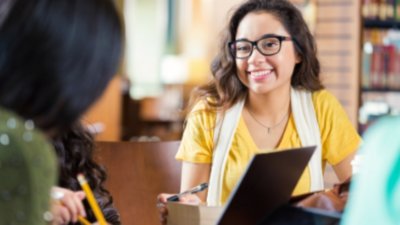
{"x":137,"y":173}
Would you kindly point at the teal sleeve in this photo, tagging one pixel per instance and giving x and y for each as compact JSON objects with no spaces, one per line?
{"x":375,"y":191}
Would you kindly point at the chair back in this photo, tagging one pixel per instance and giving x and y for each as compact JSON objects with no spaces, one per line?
{"x":136,"y":173}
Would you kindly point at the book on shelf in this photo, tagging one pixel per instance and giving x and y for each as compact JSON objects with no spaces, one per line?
{"x":366,"y":66}
{"x":390,"y":61}
{"x":397,"y":10}
{"x":370,"y":9}
{"x":397,"y":70}
{"x":380,"y":56}
{"x":383,"y":10}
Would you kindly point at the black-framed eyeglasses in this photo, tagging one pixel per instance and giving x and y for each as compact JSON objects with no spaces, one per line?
{"x":267,"y":45}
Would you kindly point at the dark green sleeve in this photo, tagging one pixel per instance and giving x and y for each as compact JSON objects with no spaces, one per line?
{"x":27,"y":172}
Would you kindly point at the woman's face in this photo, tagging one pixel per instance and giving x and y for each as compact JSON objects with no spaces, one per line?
{"x":263,"y":74}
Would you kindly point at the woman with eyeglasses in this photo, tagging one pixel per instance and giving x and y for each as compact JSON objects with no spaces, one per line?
{"x":266,"y":90}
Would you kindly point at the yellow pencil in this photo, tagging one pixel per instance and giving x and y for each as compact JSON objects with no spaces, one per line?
{"x":91,"y":199}
{"x":83,"y":221}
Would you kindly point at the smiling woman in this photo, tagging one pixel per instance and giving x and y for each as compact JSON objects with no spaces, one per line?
{"x":267,"y":45}
{"x":265,"y":77}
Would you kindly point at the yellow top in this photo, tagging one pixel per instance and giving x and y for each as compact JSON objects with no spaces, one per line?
{"x":338,"y":138}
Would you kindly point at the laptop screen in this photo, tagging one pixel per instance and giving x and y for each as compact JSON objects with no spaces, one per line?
{"x":266,"y":185}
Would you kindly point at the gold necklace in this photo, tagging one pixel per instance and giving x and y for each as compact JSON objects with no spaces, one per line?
{"x":269,"y":128}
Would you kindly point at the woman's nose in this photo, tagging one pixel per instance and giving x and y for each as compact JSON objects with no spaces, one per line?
{"x":255,"y":56}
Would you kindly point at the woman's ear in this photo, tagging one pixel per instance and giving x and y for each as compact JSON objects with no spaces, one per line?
{"x":298,"y":58}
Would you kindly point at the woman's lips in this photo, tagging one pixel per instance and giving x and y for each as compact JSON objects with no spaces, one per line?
{"x":260,"y":75}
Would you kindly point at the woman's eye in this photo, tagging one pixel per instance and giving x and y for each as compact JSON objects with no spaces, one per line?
{"x":242,"y":48}
{"x":270,"y":44}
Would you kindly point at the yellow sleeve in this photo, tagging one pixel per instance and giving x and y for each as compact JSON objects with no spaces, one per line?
{"x":338,"y":135}
{"x":197,"y":140}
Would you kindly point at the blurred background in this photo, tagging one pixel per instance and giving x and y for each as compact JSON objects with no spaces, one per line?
{"x":171,"y":43}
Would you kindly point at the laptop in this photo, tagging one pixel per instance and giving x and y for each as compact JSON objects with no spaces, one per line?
{"x":267,"y":184}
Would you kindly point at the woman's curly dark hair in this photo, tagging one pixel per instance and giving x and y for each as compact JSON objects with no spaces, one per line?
{"x":74,"y":150}
{"x":225,"y":89}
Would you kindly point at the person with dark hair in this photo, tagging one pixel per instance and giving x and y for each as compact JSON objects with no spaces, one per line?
{"x":74,"y":150}
{"x":56,"y":58}
{"x":265,"y":95}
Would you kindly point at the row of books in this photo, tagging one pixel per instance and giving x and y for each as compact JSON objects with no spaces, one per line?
{"x":372,"y":110}
{"x":380,"y":59}
{"x":376,"y":105}
{"x":381,"y":9}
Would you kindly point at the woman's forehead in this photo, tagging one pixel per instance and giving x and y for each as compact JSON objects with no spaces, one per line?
{"x":256,"y":24}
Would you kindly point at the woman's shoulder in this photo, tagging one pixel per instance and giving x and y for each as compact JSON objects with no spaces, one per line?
{"x":325,"y":99}
{"x":323,"y":95}
{"x":202,"y":116}
{"x":14,"y":127}
{"x":28,"y":161}
{"x":203,"y":107}
{"x":25,"y":141}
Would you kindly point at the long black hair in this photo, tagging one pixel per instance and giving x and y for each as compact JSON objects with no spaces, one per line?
{"x":56,"y":58}
{"x":74,"y":148}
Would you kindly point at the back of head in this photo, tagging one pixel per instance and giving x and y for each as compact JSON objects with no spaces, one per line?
{"x":56,"y":58}
{"x":306,"y":73}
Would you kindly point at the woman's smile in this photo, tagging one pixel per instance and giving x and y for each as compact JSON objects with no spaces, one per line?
{"x":260,"y":75}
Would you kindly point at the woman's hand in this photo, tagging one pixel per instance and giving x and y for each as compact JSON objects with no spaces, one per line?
{"x":334,"y":199}
{"x":327,"y":200}
{"x":66,"y":205}
{"x":162,"y":200}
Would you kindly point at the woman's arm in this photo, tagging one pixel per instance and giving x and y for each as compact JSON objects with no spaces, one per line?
{"x":194,"y":174}
{"x":343,"y":169}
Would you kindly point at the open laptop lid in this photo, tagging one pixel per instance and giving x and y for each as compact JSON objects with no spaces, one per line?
{"x":267,"y":184}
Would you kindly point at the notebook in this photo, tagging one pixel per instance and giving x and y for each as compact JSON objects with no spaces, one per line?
{"x":266,"y":185}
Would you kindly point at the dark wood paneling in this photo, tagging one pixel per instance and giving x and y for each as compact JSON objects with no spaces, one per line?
{"x":137,"y":173}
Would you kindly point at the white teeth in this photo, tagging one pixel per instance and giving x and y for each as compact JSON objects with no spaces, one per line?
{"x":260,"y":73}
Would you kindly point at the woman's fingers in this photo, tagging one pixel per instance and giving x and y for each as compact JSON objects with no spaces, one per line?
{"x":190,"y":199}
{"x":162,"y":208}
{"x":163,"y":197}
{"x":61,"y":214}
{"x":327,"y":200}
{"x":162,"y":200}
{"x":78,"y":197}
{"x":71,"y":202}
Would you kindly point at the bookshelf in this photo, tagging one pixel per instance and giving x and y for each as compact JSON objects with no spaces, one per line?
{"x":370,"y":23}
{"x":380,"y":54}
{"x":379,"y":90}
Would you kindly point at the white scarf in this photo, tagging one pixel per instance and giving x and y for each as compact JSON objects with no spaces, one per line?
{"x":307,"y":127}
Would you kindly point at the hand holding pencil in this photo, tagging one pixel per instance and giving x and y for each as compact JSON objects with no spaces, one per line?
{"x":66,"y":205}
{"x":92,"y":202}
{"x":187,"y":196}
